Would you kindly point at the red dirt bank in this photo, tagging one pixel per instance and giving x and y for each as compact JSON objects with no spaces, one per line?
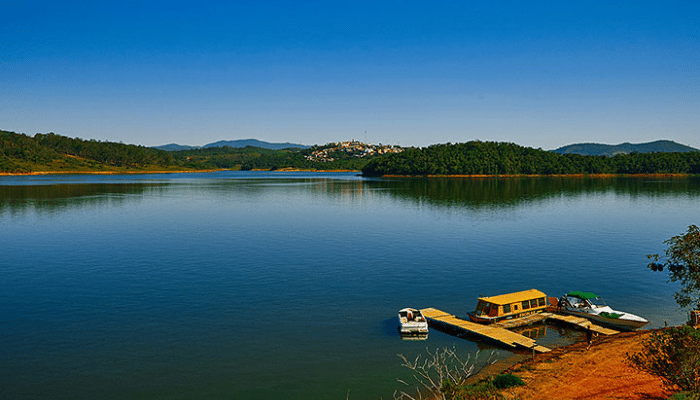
{"x":600,"y":372}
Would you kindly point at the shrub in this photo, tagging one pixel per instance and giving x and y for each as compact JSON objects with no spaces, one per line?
{"x":443,"y":374}
{"x":674,"y":356}
{"x":685,"y":396}
{"x":505,"y":381}
{"x":479,"y":391}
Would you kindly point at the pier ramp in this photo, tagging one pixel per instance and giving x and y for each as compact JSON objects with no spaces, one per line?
{"x":489,"y":332}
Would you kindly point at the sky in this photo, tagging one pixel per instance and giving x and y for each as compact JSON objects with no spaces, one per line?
{"x":541,"y":74}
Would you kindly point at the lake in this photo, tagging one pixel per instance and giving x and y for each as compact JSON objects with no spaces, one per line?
{"x":281,"y":285}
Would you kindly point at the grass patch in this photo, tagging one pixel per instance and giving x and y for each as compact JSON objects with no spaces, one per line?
{"x":504,"y":381}
{"x":487,"y":389}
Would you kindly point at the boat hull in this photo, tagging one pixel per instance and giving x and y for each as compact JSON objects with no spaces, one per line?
{"x":491,"y":320}
{"x":412,"y":322}
{"x":413,"y":330}
{"x":617,"y":323}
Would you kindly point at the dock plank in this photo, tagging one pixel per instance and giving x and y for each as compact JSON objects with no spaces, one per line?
{"x":583,"y":323}
{"x":492,"y":332}
{"x":498,"y":332}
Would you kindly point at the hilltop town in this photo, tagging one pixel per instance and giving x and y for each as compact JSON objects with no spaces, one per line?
{"x":351,"y":148}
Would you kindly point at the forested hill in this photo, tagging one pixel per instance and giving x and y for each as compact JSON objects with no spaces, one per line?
{"x":49,"y":152}
{"x":20,"y":153}
{"x":493,"y":158}
{"x":597,"y":149}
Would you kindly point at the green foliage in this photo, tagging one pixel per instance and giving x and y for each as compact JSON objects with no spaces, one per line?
{"x":685,"y":396}
{"x":50,"y":152}
{"x":479,"y":391}
{"x":109,"y":153}
{"x":483,"y":390}
{"x":674,"y":356}
{"x":255,"y":158}
{"x":683,"y":264}
{"x":278,"y":159}
{"x":224,"y":157}
{"x":504,"y":381}
{"x":493,"y":158}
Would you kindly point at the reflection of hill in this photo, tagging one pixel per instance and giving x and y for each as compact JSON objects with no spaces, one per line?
{"x":442,"y":192}
{"x":57,"y":197}
{"x":472,"y":192}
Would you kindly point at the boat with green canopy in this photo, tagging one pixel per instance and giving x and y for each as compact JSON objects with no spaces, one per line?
{"x":590,"y":305}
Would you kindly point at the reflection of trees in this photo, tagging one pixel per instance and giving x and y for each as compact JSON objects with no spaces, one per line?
{"x":476,"y":192}
{"x":52,"y":198}
{"x":446,"y":192}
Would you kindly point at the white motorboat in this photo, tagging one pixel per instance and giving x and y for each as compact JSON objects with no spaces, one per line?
{"x":412,"y":322}
{"x":591,"y":306}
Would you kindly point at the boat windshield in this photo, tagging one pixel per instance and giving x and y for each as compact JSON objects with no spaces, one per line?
{"x":598,"y":302}
{"x":595,"y":302}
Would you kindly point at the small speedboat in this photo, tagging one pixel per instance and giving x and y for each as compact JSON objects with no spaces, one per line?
{"x":412,"y":322}
{"x":591,"y":306}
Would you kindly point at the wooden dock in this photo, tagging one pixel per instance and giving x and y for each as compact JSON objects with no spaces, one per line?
{"x":499,"y":333}
{"x":489,"y":332}
{"x":526,"y":320}
{"x":582,"y":322}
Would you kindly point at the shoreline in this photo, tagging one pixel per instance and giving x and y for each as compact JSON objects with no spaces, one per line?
{"x":35,"y":173}
{"x":575,"y":371}
{"x":476,"y":176}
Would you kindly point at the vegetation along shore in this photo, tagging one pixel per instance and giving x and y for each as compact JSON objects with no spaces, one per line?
{"x":52,"y":153}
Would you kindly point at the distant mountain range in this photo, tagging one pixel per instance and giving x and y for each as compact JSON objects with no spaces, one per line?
{"x":175,"y":147}
{"x":597,"y":149}
{"x":234,"y":143}
{"x":586,"y":149}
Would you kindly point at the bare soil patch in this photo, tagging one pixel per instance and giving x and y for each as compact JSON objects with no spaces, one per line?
{"x":600,"y":372}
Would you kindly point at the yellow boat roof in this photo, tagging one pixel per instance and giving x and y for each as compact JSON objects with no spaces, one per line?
{"x":514,"y":297}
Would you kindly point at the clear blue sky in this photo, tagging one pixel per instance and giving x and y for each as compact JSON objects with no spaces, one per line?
{"x":537,"y":73}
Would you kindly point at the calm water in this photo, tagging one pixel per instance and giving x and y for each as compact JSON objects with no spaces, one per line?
{"x":286,"y":285}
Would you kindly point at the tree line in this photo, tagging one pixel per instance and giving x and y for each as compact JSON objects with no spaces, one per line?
{"x":22,"y":153}
{"x":109,"y":153}
{"x":256,"y":158}
{"x":497,"y":158}
{"x":52,"y":152}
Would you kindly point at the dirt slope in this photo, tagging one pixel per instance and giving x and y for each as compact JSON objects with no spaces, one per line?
{"x":573,"y":372}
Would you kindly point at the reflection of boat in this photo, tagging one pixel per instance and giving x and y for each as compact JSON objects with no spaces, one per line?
{"x":509,"y":306}
{"x":591,"y":306}
{"x":414,"y":336}
{"x":532,"y":331}
{"x":411,"y":321}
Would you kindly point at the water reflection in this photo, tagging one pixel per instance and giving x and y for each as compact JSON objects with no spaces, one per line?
{"x":135,"y":287}
{"x":474,"y":193}
{"x":505,"y":192}
{"x":532,"y":331}
{"x":413,"y":336}
{"x":57,"y":198}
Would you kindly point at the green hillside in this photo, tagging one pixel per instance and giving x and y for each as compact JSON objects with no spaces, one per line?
{"x":20,"y":153}
{"x":492,"y":158}
{"x":49,"y":152}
